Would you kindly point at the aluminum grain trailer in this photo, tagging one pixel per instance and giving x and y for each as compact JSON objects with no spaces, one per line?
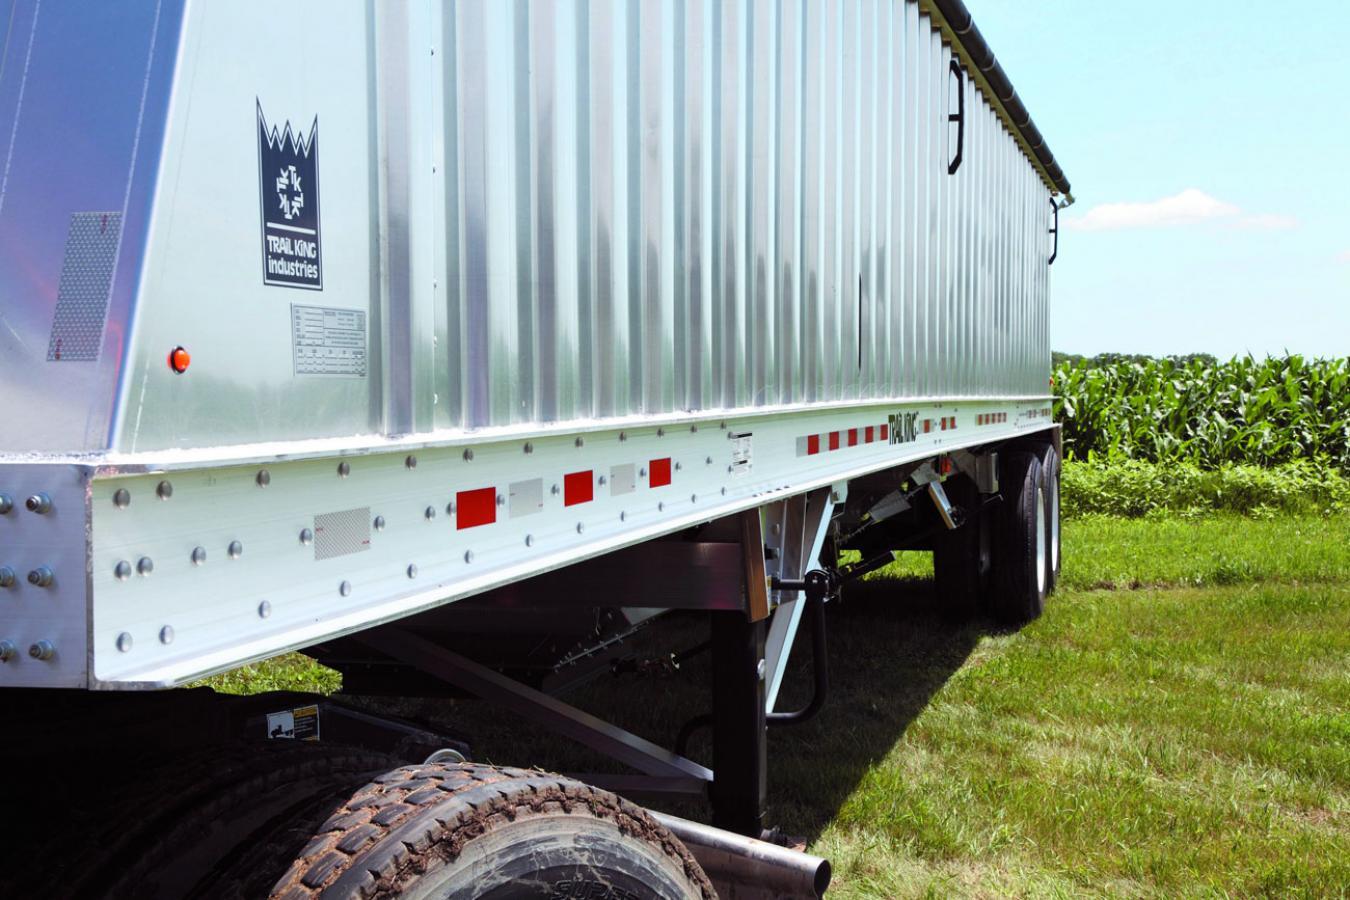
{"x":453,"y":344}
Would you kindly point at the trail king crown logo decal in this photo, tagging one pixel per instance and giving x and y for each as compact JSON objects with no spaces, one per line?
{"x":288,"y":177}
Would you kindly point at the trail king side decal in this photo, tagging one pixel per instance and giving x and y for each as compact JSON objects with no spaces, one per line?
{"x":288,"y":181}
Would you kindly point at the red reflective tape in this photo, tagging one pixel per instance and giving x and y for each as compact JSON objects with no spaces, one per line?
{"x":474,"y":508}
{"x":834,"y":440}
{"x":927,"y":425}
{"x":869,"y":434}
{"x":853,"y":437}
{"x":886,"y":432}
{"x":942,"y":423}
{"x":660,"y":472}
{"x":578,"y":487}
{"x":812,"y":444}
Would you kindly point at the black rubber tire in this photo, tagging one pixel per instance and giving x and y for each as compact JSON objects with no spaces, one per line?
{"x":1018,"y":583}
{"x":477,"y":831}
{"x":181,"y":828}
{"x":959,"y":571}
{"x":1050,"y":477}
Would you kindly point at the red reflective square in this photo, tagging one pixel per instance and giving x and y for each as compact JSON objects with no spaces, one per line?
{"x":812,"y":444}
{"x":834,"y":440}
{"x":473,"y":508}
{"x":853,"y":437}
{"x":886,"y":432}
{"x":659,"y":470}
{"x":869,"y":434}
{"x":578,"y":487}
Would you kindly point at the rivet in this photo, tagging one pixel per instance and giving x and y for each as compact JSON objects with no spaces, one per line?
{"x":164,"y":489}
{"x":345,"y":589}
{"x":198,"y":555}
{"x":468,"y":454}
{"x":45,"y":650}
{"x":410,"y":461}
{"x":529,"y":448}
{"x":450,"y":508}
{"x":124,"y":642}
{"x":236,"y":549}
{"x":6,"y":504}
{"x":264,"y":609}
{"x":623,"y":436}
{"x":6,"y":577}
{"x":264,"y":478}
{"x":555,"y":490}
{"x":660,"y":432}
{"x":145,"y":565}
{"x":580,"y":441}
{"x":693,"y":429}
{"x":7,"y":651}
{"x":642,"y":472}
{"x":724,"y":426}
{"x":166,"y":634}
{"x":40,"y":577}
{"x":121,"y":498}
{"x":122,"y":570}
{"x":661,"y":507}
{"x":344,"y":469}
{"x":623,"y":516}
{"x":529,"y":540}
{"x":501,"y":499}
{"x":731,"y":468}
{"x":693,"y":498}
{"x":412,"y":571}
{"x":724,"y":492}
{"x":603,"y":481}
{"x":581,"y":527}
{"x":708,"y":461}
{"x":430,"y":513}
{"x":678,"y":467}
{"x":306,"y":536}
{"x":379,"y":523}
{"x":468,"y":556}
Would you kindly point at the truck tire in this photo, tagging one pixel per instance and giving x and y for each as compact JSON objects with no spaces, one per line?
{"x":476,"y":831}
{"x":960,"y":555}
{"x":1019,"y":576}
{"x":1050,"y":475}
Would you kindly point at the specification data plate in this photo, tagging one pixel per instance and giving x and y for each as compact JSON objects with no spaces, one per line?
{"x":328,"y":341}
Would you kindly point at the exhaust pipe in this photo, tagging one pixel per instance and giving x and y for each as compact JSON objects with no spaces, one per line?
{"x":746,"y":869}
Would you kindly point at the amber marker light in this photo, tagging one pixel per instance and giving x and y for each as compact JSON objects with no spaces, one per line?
{"x":179,"y":360}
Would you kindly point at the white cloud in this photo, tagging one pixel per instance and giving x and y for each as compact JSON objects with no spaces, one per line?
{"x":1190,"y":207}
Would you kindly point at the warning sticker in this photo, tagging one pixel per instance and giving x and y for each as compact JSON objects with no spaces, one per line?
{"x":742,"y":454}
{"x":300,"y":724}
{"x":328,"y":341}
{"x":288,"y":179}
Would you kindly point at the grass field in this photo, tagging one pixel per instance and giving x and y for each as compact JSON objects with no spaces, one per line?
{"x":1177,"y":724}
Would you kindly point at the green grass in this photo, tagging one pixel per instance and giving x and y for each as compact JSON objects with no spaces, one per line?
{"x":1176,"y":724}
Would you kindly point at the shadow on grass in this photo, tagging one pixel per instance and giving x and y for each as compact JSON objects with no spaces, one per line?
{"x":890,"y":651}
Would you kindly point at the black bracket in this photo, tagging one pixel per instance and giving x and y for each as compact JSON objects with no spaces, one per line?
{"x":1054,"y":230}
{"x":959,"y":117}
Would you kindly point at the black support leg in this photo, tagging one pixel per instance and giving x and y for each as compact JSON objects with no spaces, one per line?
{"x":740,"y":758}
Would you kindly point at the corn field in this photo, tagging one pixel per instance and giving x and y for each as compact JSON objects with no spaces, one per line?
{"x":1246,"y":410}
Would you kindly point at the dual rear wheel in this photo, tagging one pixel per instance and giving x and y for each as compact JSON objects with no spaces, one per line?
{"x":1005,"y":557}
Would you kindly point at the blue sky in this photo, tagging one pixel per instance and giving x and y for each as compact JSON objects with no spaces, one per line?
{"x":1208,"y":145}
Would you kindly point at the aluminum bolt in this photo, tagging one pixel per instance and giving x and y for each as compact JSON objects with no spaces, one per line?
{"x":660,"y":432}
{"x":412,"y":571}
{"x":345,"y":589}
{"x":430,"y":513}
{"x":39,"y":503}
{"x":41,"y":650}
{"x":623,"y":436}
{"x":693,"y":498}
{"x":678,"y":467}
{"x":468,"y":556}
{"x":379,"y":523}
{"x":580,"y":442}
{"x":529,"y":448}
{"x":121,"y":498}
{"x":410,"y":461}
{"x":7,"y":651}
{"x":306,"y":536}
{"x":468,"y":454}
{"x":693,"y":429}
{"x":166,"y":634}
{"x":602,"y":481}
{"x":236,"y":549}
{"x":555,"y":490}
{"x":124,"y":642}
{"x":122,"y":570}
{"x":41,"y":577}
{"x":7,"y":577}
{"x":450,"y":508}
{"x":661,"y":507}
{"x":264,"y":609}
{"x":707,"y":461}
{"x":164,"y":489}
{"x":198,"y":555}
{"x":529,"y":540}
{"x":581,"y":527}
{"x":145,"y":565}
{"x":6,"y":504}
{"x":501,"y":499}
{"x":623,"y":516}
{"x":344,"y":469}
{"x":264,"y":478}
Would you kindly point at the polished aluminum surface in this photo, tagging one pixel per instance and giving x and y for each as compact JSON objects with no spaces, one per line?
{"x":550,"y":213}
